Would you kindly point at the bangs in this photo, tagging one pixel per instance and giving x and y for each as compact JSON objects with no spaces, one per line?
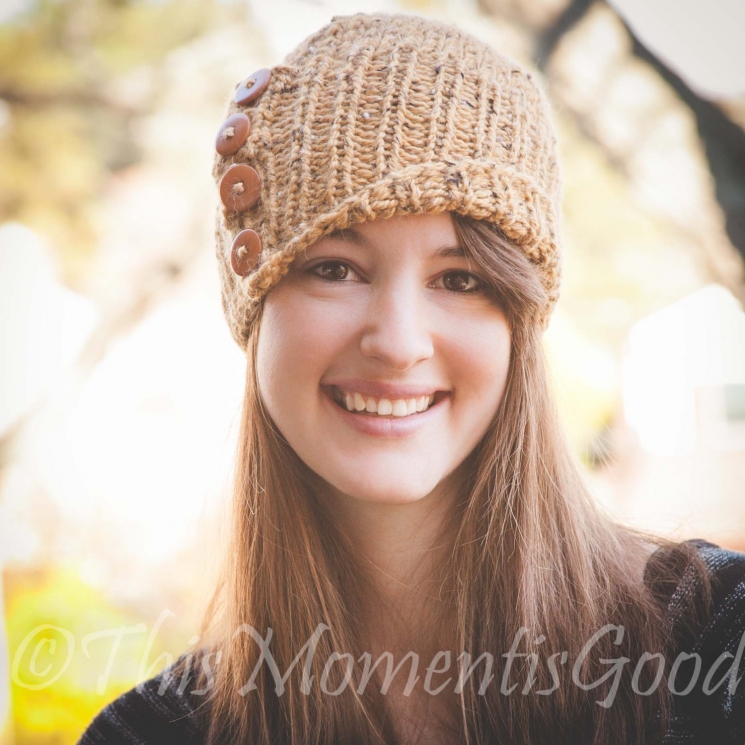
{"x":511,"y":280}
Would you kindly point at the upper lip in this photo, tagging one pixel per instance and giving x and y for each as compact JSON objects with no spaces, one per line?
{"x":379,"y":389}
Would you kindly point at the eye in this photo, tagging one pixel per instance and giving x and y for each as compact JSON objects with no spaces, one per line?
{"x":333,"y":271}
{"x":461,"y":282}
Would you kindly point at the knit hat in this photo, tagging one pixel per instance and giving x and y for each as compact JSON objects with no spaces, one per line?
{"x":374,"y":116}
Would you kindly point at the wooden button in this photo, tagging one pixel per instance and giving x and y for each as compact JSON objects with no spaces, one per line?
{"x":253,"y":86}
{"x":245,"y":252}
{"x":240,"y":187}
{"x":233,"y":134}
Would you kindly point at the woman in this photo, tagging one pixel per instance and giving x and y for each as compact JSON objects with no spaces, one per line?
{"x":389,"y":255}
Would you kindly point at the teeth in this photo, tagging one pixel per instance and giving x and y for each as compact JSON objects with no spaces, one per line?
{"x":385,"y":406}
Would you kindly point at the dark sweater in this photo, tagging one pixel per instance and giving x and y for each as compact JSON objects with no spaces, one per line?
{"x":146,"y":715}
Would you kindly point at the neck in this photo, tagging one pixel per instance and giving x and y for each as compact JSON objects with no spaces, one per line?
{"x":402,"y":548}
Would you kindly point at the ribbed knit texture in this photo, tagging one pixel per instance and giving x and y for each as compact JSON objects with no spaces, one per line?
{"x":144,"y":717}
{"x":378,"y":115}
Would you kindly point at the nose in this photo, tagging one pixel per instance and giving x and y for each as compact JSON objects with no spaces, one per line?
{"x":397,"y":330}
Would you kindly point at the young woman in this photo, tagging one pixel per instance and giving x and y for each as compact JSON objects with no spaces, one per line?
{"x":389,"y":253}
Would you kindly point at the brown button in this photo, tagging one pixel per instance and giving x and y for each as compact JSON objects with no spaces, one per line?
{"x":240,"y":187}
{"x":233,"y":134}
{"x":253,"y":86}
{"x":245,"y":253}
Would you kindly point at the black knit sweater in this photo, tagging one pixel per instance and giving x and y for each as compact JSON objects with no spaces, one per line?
{"x":151,"y":714}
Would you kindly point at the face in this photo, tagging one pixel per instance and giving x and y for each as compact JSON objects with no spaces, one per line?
{"x":381,"y":357}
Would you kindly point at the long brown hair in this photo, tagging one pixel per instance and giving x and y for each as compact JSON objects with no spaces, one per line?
{"x":529,"y":547}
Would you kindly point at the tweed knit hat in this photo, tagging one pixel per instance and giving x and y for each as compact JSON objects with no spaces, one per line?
{"x":373,"y":116}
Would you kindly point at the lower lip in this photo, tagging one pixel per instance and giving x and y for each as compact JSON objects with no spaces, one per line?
{"x":370,"y":424}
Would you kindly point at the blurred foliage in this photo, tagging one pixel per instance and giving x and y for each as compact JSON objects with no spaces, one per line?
{"x":422,"y":6}
{"x":54,"y":604}
{"x":615,"y":253}
{"x":75,"y":76}
{"x":77,"y":80}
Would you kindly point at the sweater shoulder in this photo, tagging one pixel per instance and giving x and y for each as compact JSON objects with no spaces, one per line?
{"x":726,"y":575}
{"x":714,"y":709}
{"x":160,"y":711}
{"x":708,"y":588}
{"x":724,"y":625}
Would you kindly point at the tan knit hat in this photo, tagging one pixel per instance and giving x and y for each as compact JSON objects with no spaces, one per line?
{"x":372,"y":116}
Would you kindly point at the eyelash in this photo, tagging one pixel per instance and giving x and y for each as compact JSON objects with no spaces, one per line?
{"x":473,"y":291}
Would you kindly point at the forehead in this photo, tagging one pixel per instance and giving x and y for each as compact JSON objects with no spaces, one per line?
{"x":426,"y":234}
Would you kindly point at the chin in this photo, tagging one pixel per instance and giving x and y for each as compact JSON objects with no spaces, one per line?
{"x":396,"y":488}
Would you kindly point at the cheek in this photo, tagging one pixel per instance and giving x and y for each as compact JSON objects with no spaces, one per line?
{"x":480,"y":359}
{"x":297,"y":342}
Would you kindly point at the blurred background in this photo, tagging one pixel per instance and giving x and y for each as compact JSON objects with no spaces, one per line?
{"x":120,"y":386}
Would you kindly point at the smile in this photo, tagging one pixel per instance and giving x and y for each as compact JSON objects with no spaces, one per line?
{"x":381,"y":407}
{"x":373,"y":422}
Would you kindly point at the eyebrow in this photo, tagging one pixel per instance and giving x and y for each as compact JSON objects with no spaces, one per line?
{"x":354,"y":236}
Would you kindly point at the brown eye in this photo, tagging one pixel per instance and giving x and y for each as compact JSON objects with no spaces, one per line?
{"x":461,"y":282}
{"x":333,"y":270}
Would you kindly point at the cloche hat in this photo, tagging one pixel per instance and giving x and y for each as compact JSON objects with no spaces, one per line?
{"x":373,"y":116}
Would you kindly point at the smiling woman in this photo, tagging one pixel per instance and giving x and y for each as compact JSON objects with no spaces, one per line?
{"x":366,"y":358}
{"x":404,"y":492}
